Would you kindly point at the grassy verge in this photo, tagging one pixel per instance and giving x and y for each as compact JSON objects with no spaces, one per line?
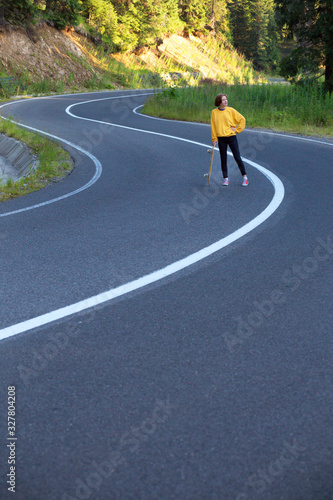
{"x":54,"y":163}
{"x":45,"y":86}
{"x":304,"y":110}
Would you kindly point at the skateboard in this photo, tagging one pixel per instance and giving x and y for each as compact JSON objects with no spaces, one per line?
{"x":210,"y":151}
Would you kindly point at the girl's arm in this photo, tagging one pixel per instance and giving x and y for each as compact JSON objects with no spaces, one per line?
{"x":240,"y":121}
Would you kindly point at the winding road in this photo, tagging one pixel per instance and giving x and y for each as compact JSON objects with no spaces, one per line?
{"x":166,"y":339}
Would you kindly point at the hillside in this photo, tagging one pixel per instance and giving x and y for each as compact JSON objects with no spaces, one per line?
{"x":47,"y":53}
{"x":51,"y":60}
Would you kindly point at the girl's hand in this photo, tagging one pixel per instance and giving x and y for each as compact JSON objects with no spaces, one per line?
{"x":215,"y":143}
{"x":233,"y":129}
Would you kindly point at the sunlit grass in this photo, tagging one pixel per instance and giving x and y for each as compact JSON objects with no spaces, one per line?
{"x":277,"y":106}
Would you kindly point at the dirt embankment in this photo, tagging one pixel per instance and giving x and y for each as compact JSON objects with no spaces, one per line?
{"x":44,"y":52}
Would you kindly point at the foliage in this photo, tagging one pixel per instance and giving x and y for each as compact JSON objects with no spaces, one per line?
{"x":220,"y":18}
{"x":193,"y":13}
{"x":16,"y":9}
{"x":160,"y":18}
{"x":62,"y":13}
{"x":127,"y":25}
{"x":310,"y":22}
{"x":140,"y":23}
{"x":102,"y":16}
{"x":254,"y":31}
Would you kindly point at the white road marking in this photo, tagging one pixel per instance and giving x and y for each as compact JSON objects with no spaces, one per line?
{"x":247,"y":129}
{"x":98,"y":166}
{"x":96,"y":176}
{"x":110,"y":124}
{"x":168,"y":270}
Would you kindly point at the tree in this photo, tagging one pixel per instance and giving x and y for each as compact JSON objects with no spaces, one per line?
{"x":254,"y":31}
{"x":130,"y":24}
{"x":62,"y":12}
{"x":102,"y":16}
{"x":141,"y":22}
{"x":263,"y":34}
{"x":160,"y":17}
{"x":16,"y":9}
{"x":311,"y":24}
{"x":240,"y":20}
{"x":220,"y":17}
{"x":195,"y":13}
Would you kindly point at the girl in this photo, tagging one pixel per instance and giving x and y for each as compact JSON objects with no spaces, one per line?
{"x":225,"y":124}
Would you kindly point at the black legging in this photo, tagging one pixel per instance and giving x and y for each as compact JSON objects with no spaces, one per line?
{"x":232,"y":142}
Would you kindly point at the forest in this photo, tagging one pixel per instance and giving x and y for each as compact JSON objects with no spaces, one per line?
{"x":293,"y":38}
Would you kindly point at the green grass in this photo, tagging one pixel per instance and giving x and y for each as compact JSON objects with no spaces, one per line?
{"x":54,"y":163}
{"x":298,"y":109}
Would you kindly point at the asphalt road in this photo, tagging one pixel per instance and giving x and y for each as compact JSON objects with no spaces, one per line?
{"x":167,"y":340}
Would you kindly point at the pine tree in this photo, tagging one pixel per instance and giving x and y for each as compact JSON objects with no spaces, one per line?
{"x":16,"y":10}
{"x":253,"y":31}
{"x":102,"y":16}
{"x":311,"y":24}
{"x":62,"y":12}
{"x":195,"y":13}
{"x":240,"y":19}
{"x":220,"y":17}
{"x":161,"y":17}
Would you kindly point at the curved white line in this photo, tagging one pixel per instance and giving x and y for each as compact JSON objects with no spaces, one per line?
{"x":247,"y":129}
{"x":98,"y":166}
{"x":110,"y":124}
{"x":165,"y":271}
{"x":96,"y":176}
{"x":156,"y":275}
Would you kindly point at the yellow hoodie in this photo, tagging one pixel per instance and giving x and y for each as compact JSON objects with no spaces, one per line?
{"x":222,"y":120}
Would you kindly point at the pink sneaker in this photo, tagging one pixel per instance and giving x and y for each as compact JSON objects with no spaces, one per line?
{"x":225,"y":182}
{"x":245,"y":181}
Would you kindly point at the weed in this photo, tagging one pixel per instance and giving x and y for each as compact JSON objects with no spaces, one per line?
{"x":54,"y":162}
